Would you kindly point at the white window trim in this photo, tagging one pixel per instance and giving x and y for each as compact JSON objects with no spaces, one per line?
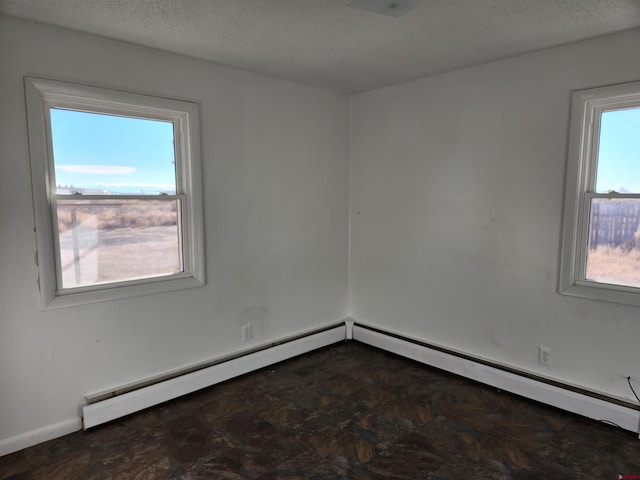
{"x":43,"y":94}
{"x":586,"y":108}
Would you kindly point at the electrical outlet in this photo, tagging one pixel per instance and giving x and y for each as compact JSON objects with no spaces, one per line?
{"x":544,"y":356}
{"x":247,"y":332}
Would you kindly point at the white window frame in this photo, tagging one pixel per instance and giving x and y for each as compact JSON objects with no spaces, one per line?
{"x":587,"y":107}
{"x":42,"y":95}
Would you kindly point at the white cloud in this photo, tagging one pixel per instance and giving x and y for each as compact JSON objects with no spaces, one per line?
{"x":159,"y":186}
{"x":96,"y":169}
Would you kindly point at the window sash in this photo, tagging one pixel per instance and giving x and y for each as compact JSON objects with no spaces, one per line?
{"x":178,"y":119}
{"x":584,"y":240}
{"x":183,"y":266}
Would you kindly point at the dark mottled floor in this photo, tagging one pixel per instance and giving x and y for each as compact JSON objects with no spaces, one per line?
{"x":344,"y":412}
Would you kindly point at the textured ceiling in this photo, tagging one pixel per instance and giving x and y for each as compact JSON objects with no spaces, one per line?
{"x":329,"y":44}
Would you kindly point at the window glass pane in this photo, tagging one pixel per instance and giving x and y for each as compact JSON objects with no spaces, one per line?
{"x":103,"y":241}
{"x":619,"y":152}
{"x":109,"y":154}
{"x":613,"y":255}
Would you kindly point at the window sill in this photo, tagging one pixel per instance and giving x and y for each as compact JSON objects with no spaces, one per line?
{"x":120,"y":291}
{"x":602,"y":292}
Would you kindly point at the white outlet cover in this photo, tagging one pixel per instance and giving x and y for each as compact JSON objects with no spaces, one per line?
{"x":247,"y":332}
{"x":544,"y":356}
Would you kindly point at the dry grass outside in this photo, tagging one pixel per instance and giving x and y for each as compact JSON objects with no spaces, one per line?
{"x":121,"y":214}
{"x":614,"y":265}
{"x":120,"y":254}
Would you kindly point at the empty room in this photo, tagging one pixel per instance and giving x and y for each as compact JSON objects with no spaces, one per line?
{"x":319,"y":239}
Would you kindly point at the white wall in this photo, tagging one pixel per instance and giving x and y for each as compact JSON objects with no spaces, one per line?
{"x":456,"y":204}
{"x":275,"y":161}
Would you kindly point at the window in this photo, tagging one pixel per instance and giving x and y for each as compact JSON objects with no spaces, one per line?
{"x":117,"y":196}
{"x":601,"y":231}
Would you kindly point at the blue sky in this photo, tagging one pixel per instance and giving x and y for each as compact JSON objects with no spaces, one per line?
{"x":619,"y":153}
{"x":117,"y":154}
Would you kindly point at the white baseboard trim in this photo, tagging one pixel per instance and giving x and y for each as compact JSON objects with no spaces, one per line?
{"x":136,"y":400}
{"x":564,"y":398}
{"x":39,"y":435}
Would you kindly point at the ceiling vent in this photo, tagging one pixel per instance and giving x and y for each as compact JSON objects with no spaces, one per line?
{"x":393,"y":8}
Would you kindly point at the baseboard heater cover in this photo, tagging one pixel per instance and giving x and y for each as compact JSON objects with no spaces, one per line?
{"x":596,"y":407}
{"x":133,"y":401}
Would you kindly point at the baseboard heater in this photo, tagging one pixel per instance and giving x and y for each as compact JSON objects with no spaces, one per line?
{"x":118,"y":402}
{"x":566,"y":397}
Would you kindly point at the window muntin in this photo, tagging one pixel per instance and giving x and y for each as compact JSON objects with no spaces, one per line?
{"x":601,"y":239}
{"x":117,"y":196}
